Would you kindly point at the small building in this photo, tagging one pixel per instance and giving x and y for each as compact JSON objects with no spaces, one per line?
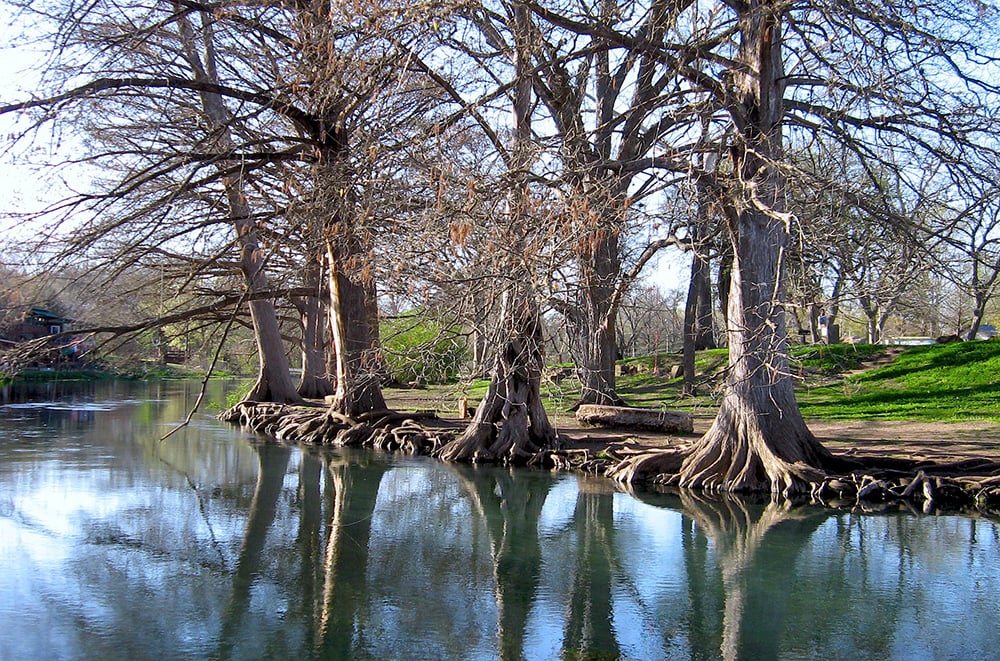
{"x":36,"y":323}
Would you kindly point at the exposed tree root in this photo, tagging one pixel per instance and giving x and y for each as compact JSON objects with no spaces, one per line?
{"x":380,"y":430}
{"x":880,"y":484}
{"x":876,"y":484}
{"x":510,"y":426}
{"x":737,"y":454}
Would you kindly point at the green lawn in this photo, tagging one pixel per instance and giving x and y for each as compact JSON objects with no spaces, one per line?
{"x":946,"y":383}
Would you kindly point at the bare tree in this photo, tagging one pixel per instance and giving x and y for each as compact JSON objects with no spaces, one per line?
{"x":970,"y":228}
{"x":768,"y":80}
{"x":510,"y":424}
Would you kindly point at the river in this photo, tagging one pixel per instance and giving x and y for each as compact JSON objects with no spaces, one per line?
{"x":213,"y":544}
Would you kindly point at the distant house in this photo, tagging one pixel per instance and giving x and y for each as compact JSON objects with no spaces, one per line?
{"x":39,"y":323}
{"x":36,"y":323}
{"x":913,"y":340}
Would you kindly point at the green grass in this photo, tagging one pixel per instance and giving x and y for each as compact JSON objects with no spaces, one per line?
{"x":938,"y":383}
{"x":944,"y":383}
{"x":833,"y":359}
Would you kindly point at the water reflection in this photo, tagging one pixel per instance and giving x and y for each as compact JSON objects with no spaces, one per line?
{"x":212,"y":544}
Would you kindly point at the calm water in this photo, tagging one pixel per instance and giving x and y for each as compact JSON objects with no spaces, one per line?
{"x":210,"y":544}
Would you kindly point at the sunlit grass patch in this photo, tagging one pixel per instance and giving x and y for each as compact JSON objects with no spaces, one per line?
{"x":947,"y":383}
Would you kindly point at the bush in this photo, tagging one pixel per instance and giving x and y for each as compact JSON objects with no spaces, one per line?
{"x":419,"y":350}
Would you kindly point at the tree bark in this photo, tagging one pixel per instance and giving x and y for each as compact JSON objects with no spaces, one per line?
{"x":633,"y":418}
{"x":758,"y":441}
{"x":314,"y":382}
{"x":594,"y":322}
{"x":510,"y":425}
{"x":359,"y":366}
{"x":274,"y":381}
{"x":697,"y":316}
{"x":724,"y":283}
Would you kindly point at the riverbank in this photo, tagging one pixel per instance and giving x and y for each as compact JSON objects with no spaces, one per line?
{"x":918,"y":438}
{"x":942,"y":442}
{"x":867,"y":470}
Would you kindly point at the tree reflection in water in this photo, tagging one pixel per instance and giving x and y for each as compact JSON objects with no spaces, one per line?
{"x":409,"y":558}
{"x":216,"y":545}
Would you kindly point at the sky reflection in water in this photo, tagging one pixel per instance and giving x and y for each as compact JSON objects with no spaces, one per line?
{"x":210,"y":544}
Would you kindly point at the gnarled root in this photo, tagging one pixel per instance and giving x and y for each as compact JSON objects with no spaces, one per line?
{"x":381,"y":430}
{"x":657,"y":465}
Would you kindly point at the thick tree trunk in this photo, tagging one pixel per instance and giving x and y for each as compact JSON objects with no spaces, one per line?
{"x":704,"y":327}
{"x":359,"y":364}
{"x":758,"y":441}
{"x":314,"y":382}
{"x":353,"y":310}
{"x":594,"y":323}
{"x":814,"y":333}
{"x":274,"y":379}
{"x":510,"y":425}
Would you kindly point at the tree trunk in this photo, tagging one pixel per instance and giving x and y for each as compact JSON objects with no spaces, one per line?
{"x":359,"y":366}
{"x":725,"y":281}
{"x":274,"y":381}
{"x":814,"y":334}
{"x":758,"y":441}
{"x":978,"y":301}
{"x":704,"y":327}
{"x":871,"y":319}
{"x":510,"y":425}
{"x":833,"y":311}
{"x":595,"y":322}
{"x":353,"y":311}
{"x":696,"y":325}
{"x":671,"y":422}
{"x":314,"y":382}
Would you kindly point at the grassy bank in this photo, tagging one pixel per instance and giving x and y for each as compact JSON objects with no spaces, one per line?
{"x":940,"y":383}
{"x":937,"y":383}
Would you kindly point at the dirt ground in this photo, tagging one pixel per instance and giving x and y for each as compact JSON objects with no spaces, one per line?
{"x":939,"y":442}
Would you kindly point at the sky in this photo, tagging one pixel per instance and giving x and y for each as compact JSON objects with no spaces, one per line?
{"x":26,"y":188}
{"x":21,"y":188}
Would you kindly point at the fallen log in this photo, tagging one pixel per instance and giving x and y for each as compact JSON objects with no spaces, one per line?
{"x":673,"y":422}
